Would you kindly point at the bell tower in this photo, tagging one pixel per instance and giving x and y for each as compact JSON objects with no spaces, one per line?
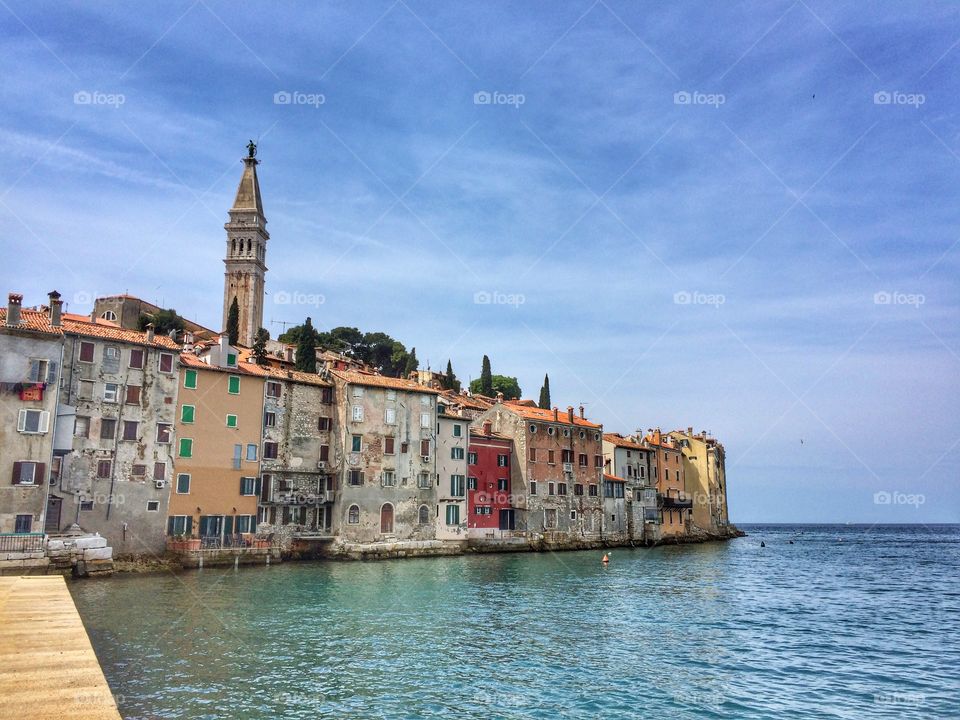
{"x":246,"y":255}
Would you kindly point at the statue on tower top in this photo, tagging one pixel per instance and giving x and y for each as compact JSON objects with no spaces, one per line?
{"x":251,"y":149}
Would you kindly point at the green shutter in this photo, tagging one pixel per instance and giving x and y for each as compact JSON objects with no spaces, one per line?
{"x":186,"y":413}
{"x":170,"y":526}
{"x":186,"y":447}
{"x":190,"y":379}
{"x":231,"y":421}
{"x":228,"y":525}
{"x":233,"y":385}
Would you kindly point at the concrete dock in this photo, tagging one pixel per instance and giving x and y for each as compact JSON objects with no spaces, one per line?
{"x":47,"y":666}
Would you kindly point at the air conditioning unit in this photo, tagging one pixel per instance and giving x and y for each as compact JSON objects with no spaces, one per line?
{"x":425,"y":458}
{"x":159,"y":483}
{"x":568,"y":467}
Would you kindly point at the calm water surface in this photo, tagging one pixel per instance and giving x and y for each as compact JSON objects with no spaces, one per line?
{"x":846,"y":622}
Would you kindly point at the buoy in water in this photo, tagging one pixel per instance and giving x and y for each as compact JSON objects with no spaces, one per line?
{"x":762,"y":544}
{"x":606,"y":559}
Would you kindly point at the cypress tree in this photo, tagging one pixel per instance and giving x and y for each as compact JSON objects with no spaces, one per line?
{"x":545,"y":393}
{"x":307,"y":348}
{"x":450,"y":381}
{"x":412,"y":363}
{"x":486,"y":378}
{"x":233,"y":322}
{"x":260,"y":346}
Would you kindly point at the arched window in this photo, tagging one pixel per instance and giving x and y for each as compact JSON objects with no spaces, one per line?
{"x":424,"y":515}
{"x":108,"y":315}
{"x":386,"y":518}
{"x":353,"y":514}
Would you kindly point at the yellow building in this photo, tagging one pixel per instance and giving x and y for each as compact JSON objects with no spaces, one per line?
{"x":704,"y":477}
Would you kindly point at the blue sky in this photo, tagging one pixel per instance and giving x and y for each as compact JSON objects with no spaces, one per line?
{"x":687,"y":213}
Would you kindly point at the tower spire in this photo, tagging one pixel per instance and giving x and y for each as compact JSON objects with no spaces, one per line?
{"x":246,"y":254}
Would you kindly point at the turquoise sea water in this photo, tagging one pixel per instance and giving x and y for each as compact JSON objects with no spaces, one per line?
{"x":846,"y":622}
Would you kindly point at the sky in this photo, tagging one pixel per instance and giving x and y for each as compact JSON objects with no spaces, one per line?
{"x":736,"y":216}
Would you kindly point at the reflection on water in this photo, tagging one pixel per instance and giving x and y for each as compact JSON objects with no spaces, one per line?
{"x":863,"y":627}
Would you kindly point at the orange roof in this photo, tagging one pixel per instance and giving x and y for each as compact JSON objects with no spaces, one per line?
{"x":621,"y":441}
{"x":371,"y":380}
{"x":40,"y":322}
{"x":535,"y":413}
{"x":465,"y":400}
{"x":279,"y":373}
{"x":613,"y":478}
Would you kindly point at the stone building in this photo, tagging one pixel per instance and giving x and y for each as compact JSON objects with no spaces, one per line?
{"x":388,"y":452}
{"x":31,"y":347}
{"x":676,"y":506}
{"x":634,"y":462}
{"x":557,"y":471}
{"x":218,"y":444}
{"x":126,"y":311}
{"x":704,"y":474}
{"x":246,"y":256}
{"x":453,"y":437}
{"x":615,"y":515}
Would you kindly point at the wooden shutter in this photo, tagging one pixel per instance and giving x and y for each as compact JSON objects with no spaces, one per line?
{"x":189,"y":530}
{"x":17,"y":466}
{"x":40,"y":473}
{"x":21,"y":420}
{"x":228,"y":525}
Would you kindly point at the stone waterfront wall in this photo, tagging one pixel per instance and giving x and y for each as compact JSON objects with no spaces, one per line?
{"x":82,"y":556}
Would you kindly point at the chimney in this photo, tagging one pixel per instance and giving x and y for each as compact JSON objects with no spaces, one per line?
{"x":93,"y":315}
{"x":556,"y":415}
{"x":487,"y":427}
{"x":14,"y":301}
{"x":150,"y":331}
{"x":570,"y":414}
{"x":499,"y":396}
{"x":56,"y":308}
{"x":690,"y":431}
{"x":582,"y":416}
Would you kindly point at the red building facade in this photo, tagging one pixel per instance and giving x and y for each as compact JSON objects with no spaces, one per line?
{"x":489,"y":484}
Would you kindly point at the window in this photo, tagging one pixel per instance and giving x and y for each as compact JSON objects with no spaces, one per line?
{"x":356,"y":443}
{"x":108,"y":429}
{"x":578,"y":489}
{"x":138,"y":471}
{"x":425,"y":400}
{"x":183,"y":484}
{"x":273,"y":389}
{"x":38,"y":370}
{"x":404,"y":448}
{"x":472,"y":458}
{"x":425,"y":420}
{"x":598,"y":460}
{"x":136,"y":358}
{"x":357,"y":391}
{"x":583,"y":459}
{"x":179,"y":525}
{"x":86,"y":352}
{"x":231,"y":359}
{"x":388,"y":478}
{"x":231,"y":421}
{"x":323,"y":423}
{"x":503,"y":484}
{"x":471,"y":483}
{"x":453,"y":514}
{"x":533,"y":487}
{"x":353,"y":515}
{"x":165,"y":363}
{"x":501,"y":460}
{"x":163,"y":431}
{"x":551,"y":460}
{"x":357,"y":413}
{"x":457,"y":430}
{"x":425,"y":448}
{"x":550,"y":518}
{"x":326,"y":395}
{"x":593,"y":490}
{"x":561,"y":488}
{"x":391,"y":394}
{"x":573,"y":514}
{"x":551,"y":430}
{"x":110,"y":391}
{"x":423,"y":516}
{"x":133,"y":395}
{"x":533,"y":454}
{"x":103,"y":468}
{"x":566,"y":456}
{"x":324,"y":453}
{"x":33,"y":422}
{"x":86,"y":505}
{"x":111,"y":353}
{"x":190,"y":379}
{"x":85,"y":390}
{"x":245,"y":524}
{"x":153,"y":506}
{"x":388,"y":446}
{"x":356,"y":477}
{"x":390,"y":416}
{"x":23,"y":524}
{"x":533,"y":428}
{"x":269,"y":419}
{"x":159,"y":471}
{"x":81,"y":427}
{"x":456,"y":453}
{"x":27,"y":473}
{"x":247,"y":486}
{"x":269,"y":451}
{"x":551,"y":489}
{"x":423,"y":480}
{"x":186,"y":447}
{"x":233,"y":384}
{"x":130,"y":429}
{"x":457,"y":486}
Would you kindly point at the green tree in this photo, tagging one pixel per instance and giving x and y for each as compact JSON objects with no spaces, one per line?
{"x":307,"y":348}
{"x":545,"y":393}
{"x":260,"y":346}
{"x":509,"y":386}
{"x":163,"y":321}
{"x":450,"y":381}
{"x":412,"y":363}
{"x":233,"y":323}
{"x":486,"y":378}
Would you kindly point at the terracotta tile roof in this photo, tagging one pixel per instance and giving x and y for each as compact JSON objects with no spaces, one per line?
{"x":621,"y":441}
{"x":370,"y":380}
{"x":613,"y":478}
{"x":278,"y":373}
{"x":535,"y":413}
{"x":466,"y":401}
{"x":40,"y":322}
{"x":479,"y":434}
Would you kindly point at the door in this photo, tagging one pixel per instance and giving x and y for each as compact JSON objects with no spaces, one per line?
{"x":507,"y":520}
{"x":211,"y":525}
{"x":52,"y":522}
{"x":386,"y":518}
